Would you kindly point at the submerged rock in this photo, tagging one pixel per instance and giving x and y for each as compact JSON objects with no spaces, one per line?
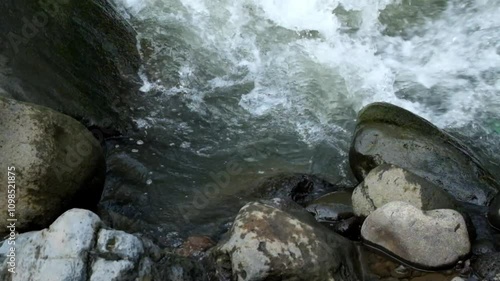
{"x":333,"y":206}
{"x":267,"y":243}
{"x":427,"y":240}
{"x":56,"y":164}
{"x":76,"y":247}
{"x":389,"y":134}
{"x":388,"y":183}
{"x":334,"y":210}
{"x":487,"y":267}
{"x":494,"y":212}
{"x":195,"y":246}
{"x":302,"y":189}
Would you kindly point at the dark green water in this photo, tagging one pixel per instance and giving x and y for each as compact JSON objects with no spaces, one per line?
{"x":235,"y":91}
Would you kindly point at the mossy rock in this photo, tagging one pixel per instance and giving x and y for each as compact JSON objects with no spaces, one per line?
{"x":58,"y":164}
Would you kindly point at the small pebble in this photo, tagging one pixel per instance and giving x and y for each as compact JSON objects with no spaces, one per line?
{"x":116,"y":146}
{"x":135,"y":150}
{"x":149,"y":182}
{"x":140,"y":142}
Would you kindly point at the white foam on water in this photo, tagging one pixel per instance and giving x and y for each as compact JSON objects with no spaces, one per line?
{"x":305,"y":68}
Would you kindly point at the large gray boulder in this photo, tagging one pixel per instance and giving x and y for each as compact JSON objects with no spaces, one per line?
{"x":75,"y":247}
{"x":267,"y":243}
{"x":389,"y":134}
{"x":428,"y":240}
{"x":55,"y":164}
{"x":77,"y":57}
{"x":388,"y":183}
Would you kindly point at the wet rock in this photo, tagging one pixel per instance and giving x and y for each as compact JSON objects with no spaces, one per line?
{"x":77,"y":57}
{"x":388,"y":183}
{"x":56,"y":164}
{"x":428,"y":240}
{"x":334,"y":210}
{"x":195,"y":245}
{"x":487,"y":267}
{"x":482,"y":246}
{"x":494,"y":213}
{"x":76,"y":247}
{"x":333,"y":206}
{"x":177,"y":268}
{"x":385,"y":268}
{"x":349,"y":228}
{"x":267,"y":243}
{"x":302,"y":189}
{"x":388,"y":134}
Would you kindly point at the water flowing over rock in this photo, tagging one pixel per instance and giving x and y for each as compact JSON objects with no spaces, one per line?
{"x":267,"y":243}
{"x":58,"y":164}
{"x":76,"y":247}
{"x":386,"y":133}
{"x":77,"y":57}
{"x":388,"y":183}
{"x":428,"y":240}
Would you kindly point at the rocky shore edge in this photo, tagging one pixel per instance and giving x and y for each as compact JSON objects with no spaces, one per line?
{"x":425,"y":203}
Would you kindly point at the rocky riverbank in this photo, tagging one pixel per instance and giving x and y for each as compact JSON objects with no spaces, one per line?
{"x":425,"y":207}
{"x":407,"y":217}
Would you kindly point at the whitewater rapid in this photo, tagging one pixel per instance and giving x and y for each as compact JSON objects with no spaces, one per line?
{"x":286,"y":78}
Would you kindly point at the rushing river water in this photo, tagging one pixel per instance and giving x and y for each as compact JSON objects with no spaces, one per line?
{"x":235,"y":91}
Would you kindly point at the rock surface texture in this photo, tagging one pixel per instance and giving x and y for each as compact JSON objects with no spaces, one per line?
{"x":487,"y":267}
{"x":76,"y":247}
{"x":388,"y":183}
{"x":77,"y":57}
{"x":428,"y":240}
{"x":386,"y":133}
{"x":267,"y":243}
{"x":57,"y":164}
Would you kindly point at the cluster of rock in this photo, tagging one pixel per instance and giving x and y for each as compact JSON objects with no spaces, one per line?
{"x":417,"y":187}
{"x":402,"y":208}
{"x":77,"y":247}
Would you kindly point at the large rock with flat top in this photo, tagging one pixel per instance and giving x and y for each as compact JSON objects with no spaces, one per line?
{"x":267,"y":243}
{"x":389,"y":134}
{"x":428,"y":240}
{"x":55,"y":164}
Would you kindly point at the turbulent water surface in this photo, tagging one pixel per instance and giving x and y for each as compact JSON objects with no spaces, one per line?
{"x":238,"y":90}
